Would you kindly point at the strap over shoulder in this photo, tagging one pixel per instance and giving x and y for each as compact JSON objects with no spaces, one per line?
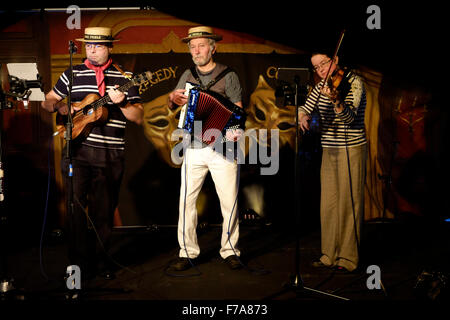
{"x":212,"y":82}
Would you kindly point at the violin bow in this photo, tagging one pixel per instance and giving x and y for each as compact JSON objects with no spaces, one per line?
{"x":334,"y":56}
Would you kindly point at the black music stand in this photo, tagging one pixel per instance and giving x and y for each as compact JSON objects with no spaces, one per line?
{"x":6,"y":283}
{"x":19,"y":88}
{"x":299,"y":78}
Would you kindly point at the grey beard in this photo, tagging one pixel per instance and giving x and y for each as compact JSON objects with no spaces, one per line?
{"x":202,"y":62}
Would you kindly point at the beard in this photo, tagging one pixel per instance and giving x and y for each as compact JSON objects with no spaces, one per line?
{"x":202,"y":60}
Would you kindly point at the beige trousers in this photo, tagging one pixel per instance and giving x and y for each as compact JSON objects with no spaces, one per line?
{"x":342,"y":205}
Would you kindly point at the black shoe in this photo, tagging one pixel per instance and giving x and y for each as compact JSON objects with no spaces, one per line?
{"x":343,"y":270}
{"x":233,"y":262}
{"x":181,"y":264}
{"x":319,"y":264}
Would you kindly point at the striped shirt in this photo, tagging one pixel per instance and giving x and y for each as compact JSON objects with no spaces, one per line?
{"x":340,"y":129}
{"x":111,"y":134}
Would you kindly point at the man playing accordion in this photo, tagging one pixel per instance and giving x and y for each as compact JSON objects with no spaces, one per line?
{"x":199,"y":158}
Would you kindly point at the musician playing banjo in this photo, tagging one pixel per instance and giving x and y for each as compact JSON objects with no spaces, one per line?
{"x":98,"y":159}
{"x":199,"y":160}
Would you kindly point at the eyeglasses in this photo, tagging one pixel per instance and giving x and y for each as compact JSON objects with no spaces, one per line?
{"x":96,"y":46}
{"x":199,"y":46}
{"x":322,"y":64}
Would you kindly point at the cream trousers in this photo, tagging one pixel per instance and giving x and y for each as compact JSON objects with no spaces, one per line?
{"x":196,"y":164}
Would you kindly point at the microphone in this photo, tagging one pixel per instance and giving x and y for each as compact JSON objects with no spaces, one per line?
{"x":72,"y":47}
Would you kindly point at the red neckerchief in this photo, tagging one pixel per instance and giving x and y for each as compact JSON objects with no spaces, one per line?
{"x":99,"y":76}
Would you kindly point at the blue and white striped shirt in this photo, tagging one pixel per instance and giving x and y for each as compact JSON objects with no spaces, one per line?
{"x":111,"y":134}
{"x":343,"y":129}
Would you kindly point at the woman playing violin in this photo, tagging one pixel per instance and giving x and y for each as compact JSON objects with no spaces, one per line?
{"x":341,"y":108}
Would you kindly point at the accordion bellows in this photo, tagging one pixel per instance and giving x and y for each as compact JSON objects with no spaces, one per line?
{"x":214,"y":112}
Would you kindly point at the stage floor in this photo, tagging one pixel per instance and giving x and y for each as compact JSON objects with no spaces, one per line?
{"x":402,"y":250}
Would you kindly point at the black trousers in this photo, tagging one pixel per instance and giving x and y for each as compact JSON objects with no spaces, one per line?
{"x":97,"y":175}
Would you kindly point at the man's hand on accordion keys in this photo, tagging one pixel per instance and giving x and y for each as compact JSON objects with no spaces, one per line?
{"x":178,"y":97}
{"x":234,"y":134}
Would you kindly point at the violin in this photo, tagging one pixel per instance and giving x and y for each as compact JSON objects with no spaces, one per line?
{"x":338,"y":80}
{"x":339,"y":84}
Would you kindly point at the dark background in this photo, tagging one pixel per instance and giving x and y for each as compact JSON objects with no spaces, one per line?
{"x":150,"y":188}
{"x":411,"y":32}
{"x":408,"y":49}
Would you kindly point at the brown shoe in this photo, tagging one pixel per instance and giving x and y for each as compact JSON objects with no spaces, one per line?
{"x":233,"y":262}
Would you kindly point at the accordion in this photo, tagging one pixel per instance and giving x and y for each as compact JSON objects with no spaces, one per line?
{"x":215,"y":113}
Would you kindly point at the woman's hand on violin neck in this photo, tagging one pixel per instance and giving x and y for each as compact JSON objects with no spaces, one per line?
{"x":326,"y":91}
{"x":333,"y":95}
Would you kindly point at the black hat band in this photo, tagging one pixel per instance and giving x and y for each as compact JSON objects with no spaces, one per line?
{"x":97,"y":37}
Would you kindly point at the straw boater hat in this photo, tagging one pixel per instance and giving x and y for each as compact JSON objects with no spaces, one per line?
{"x":98,"y":34}
{"x":201,"y":32}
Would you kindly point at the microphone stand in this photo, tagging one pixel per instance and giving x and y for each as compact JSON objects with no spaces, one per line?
{"x":68,"y":138}
{"x":68,"y":135}
{"x":295,"y":282}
